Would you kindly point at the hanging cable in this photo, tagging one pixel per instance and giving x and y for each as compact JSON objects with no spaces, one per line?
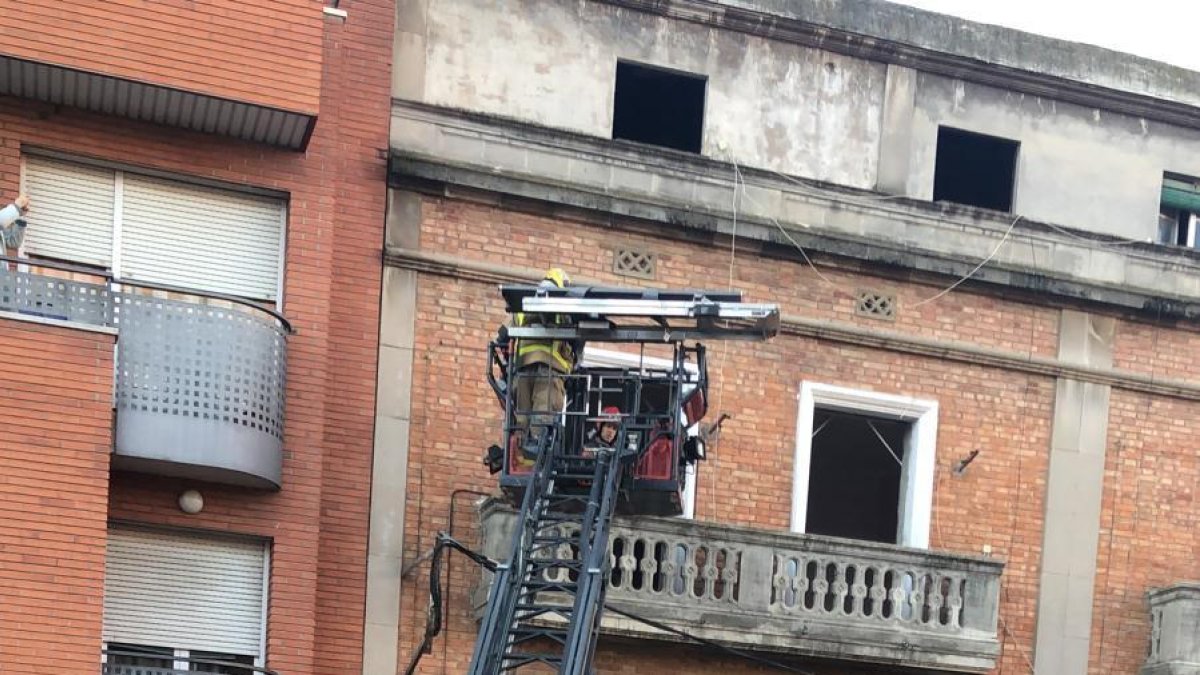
{"x":793,"y":242}
{"x":978,"y":267}
{"x":715,"y":457}
{"x":433,"y":615}
{"x":885,"y":443}
{"x":951,"y":287}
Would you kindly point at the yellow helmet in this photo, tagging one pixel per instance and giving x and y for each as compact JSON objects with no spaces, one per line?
{"x":558,"y":276}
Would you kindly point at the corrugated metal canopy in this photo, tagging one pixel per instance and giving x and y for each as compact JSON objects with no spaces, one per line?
{"x":154,"y":103}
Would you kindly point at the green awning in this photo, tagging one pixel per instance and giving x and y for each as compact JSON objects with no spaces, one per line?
{"x":1178,"y":197}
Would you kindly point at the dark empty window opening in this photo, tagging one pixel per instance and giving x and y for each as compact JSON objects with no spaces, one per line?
{"x":854,"y":476}
{"x":975,"y":169}
{"x":658,"y":107}
{"x":1179,"y":211}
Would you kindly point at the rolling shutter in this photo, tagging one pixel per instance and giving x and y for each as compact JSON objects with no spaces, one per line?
{"x":184,"y":591}
{"x":71,"y":217}
{"x":201,"y":237}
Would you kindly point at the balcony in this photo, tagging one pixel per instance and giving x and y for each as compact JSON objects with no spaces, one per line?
{"x":199,"y":387}
{"x":792,"y":594}
{"x":1174,"y":631}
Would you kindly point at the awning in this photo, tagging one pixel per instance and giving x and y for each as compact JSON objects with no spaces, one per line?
{"x":154,"y":103}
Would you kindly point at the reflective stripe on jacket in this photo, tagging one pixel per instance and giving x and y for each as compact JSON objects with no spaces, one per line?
{"x":558,"y":354}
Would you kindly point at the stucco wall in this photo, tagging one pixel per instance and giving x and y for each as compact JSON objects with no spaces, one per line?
{"x":769,"y":103}
{"x":1082,"y":168}
{"x":803,"y":111}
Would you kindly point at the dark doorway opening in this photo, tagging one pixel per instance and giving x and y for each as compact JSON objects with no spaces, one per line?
{"x":975,"y":169}
{"x":658,"y":107}
{"x":854,"y":476}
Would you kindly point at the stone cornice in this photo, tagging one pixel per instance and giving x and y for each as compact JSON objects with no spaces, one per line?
{"x":677,"y":195}
{"x":775,"y":26}
{"x":441,"y":264}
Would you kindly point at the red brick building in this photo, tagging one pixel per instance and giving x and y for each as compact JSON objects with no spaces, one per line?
{"x":968,"y":449}
{"x":203,"y":175}
{"x":244,"y":329}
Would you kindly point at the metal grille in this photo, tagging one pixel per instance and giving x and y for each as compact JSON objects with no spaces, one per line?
{"x":210,"y":363}
{"x":631,"y":262}
{"x":876,"y":305}
{"x":54,"y":298}
{"x":113,"y":669}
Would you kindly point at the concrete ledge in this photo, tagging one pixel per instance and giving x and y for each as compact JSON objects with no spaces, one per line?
{"x":1010,"y":59}
{"x":439,"y":150}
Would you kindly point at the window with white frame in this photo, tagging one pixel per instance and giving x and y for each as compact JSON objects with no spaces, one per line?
{"x":125,"y":659}
{"x":864,"y":465}
{"x":153,"y":229}
{"x":1179,"y":211}
{"x":183,"y":601}
{"x":601,"y":358}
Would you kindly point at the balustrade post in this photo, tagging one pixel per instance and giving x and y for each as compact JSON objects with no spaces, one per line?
{"x":981,"y":602}
{"x":758,"y":577}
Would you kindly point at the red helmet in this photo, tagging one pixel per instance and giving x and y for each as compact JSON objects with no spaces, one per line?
{"x":609,"y":411}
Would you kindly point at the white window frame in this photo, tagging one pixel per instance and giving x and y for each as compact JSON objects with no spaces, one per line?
{"x":118,"y":212}
{"x":181,"y":657}
{"x":260,"y":659}
{"x":604,"y":358}
{"x":920,"y":451}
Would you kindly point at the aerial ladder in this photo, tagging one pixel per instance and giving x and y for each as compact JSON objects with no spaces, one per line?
{"x":547,"y":598}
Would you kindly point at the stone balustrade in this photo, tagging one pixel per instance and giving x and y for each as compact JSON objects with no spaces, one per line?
{"x":793,"y":593}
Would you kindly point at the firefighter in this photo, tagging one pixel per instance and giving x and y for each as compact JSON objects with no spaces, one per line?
{"x":542,"y":366}
{"x":605,"y":431}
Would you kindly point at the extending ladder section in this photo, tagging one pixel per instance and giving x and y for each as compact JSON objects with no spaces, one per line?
{"x":560,"y":547}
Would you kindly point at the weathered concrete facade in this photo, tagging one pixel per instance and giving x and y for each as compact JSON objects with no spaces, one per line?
{"x":1050,"y":342}
{"x":818,"y":113}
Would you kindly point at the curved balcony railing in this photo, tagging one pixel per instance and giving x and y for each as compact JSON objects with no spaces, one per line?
{"x":200,"y":376}
{"x":796,"y":594}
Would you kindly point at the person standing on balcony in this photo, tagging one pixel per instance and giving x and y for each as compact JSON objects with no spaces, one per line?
{"x":12,"y":225}
{"x":542,"y":366}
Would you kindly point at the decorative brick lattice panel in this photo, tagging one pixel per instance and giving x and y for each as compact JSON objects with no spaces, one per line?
{"x":630,"y":262}
{"x":876,"y":305}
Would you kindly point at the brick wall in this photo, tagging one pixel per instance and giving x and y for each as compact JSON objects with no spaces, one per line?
{"x":747,"y":480}
{"x":318,"y":521}
{"x":1150,"y":519}
{"x":1150,"y":528}
{"x":1147,"y":536}
{"x":54,"y":446}
{"x":267,"y":53}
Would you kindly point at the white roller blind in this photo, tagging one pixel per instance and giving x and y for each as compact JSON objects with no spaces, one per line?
{"x":72,"y":213}
{"x":184,"y":591}
{"x":201,"y":237}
